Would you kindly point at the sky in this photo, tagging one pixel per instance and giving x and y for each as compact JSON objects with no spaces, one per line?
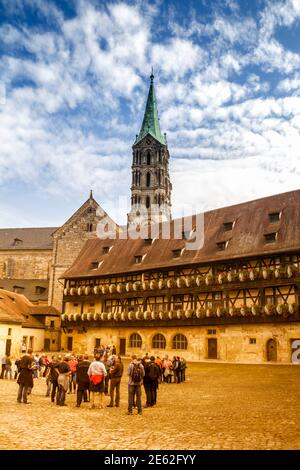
{"x":74,"y":78}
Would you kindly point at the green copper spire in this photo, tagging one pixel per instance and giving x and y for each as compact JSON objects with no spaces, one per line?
{"x":151,"y":122}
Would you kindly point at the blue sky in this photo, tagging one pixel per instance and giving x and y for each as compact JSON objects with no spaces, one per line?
{"x":74,"y":78}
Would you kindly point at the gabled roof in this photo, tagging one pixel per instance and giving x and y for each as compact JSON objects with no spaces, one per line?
{"x":16,"y":309}
{"x":26,"y":238}
{"x":151,"y":120}
{"x":246,"y":239}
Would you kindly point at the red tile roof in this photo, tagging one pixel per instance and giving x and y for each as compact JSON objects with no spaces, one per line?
{"x":246,"y":239}
{"x":15,"y":308}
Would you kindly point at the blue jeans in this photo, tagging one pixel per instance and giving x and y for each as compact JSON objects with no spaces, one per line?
{"x":135,"y":391}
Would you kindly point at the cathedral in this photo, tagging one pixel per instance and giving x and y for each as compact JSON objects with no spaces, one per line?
{"x":223,"y":285}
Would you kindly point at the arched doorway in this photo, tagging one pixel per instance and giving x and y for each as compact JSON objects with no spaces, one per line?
{"x":272,"y":350}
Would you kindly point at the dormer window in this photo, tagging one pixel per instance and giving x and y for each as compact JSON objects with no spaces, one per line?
{"x":185,"y":235}
{"x":94,"y":264}
{"x":274,"y":217}
{"x":138,"y":259}
{"x":40,"y":290}
{"x":18,"y":289}
{"x":105,"y":249}
{"x":17,"y":242}
{"x":222,"y":245}
{"x":176,"y":253}
{"x":227,"y":226}
{"x":148,"y":241}
{"x":270,"y":237}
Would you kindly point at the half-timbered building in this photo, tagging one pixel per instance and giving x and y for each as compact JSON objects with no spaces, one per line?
{"x":235,"y":298}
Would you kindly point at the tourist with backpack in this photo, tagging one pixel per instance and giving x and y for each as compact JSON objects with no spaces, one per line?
{"x":136,"y":373}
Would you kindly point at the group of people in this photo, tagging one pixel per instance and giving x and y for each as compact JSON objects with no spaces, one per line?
{"x":102,"y":376}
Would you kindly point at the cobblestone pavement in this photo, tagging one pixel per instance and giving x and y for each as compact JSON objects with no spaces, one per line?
{"x":220,"y":406}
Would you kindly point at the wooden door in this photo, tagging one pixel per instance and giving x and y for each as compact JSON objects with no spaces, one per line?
{"x":47,"y":344}
{"x":70,"y":343}
{"x":8,"y":347}
{"x":272,"y":350}
{"x":212,"y":348}
{"x":122,"y":346}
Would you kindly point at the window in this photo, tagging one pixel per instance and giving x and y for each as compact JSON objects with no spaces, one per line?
{"x":53,"y":341}
{"x":40,"y":290}
{"x":159,"y":341}
{"x":222,"y":245}
{"x":176,"y":253}
{"x":228,"y":226}
{"x":105,"y":250}
{"x":9,"y":332}
{"x":148,"y":180}
{"x":97,"y":342}
{"x":148,"y":158}
{"x":270,"y":237}
{"x":147,"y":202}
{"x":138,"y":259}
{"x":135,"y":341}
{"x":211,"y":332}
{"x":17,"y":242}
{"x":252,"y":340}
{"x":89,"y":227}
{"x":52,"y":324}
{"x":274,"y":217}
{"x":186,"y":235}
{"x":18,"y":289}
{"x":179,"y":342}
{"x":148,"y":241}
{"x":94,"y":264}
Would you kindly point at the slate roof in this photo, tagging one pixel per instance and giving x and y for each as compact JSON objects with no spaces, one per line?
{"x":26,"y":238}
{"x":246,"y":239}
{"x":27,"y":287}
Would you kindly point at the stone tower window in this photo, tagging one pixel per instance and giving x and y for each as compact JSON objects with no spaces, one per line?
{"x":147,"y":202}
{"x":89,"y":227}
{"x":148,"y":158}
{"x":148,"y":179}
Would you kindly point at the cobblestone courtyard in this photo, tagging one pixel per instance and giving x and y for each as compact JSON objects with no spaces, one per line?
{"x":220,"y":406}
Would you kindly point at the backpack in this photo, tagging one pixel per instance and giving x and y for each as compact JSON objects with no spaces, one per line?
{"x":154,"y":371}
{"x":136,"y":374}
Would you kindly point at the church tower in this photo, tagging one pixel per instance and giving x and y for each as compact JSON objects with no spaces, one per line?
{"x":151,"y":186}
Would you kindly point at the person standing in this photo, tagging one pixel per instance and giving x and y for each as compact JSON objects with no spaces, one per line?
{"x":25,"y":379}
{"x":73,"y":366}
{"x":154,"y":375}
{"x":97,"y":373}
{"x":82,"y":379}
{"x":135,"y":373}
{"x":53,"y":376}
{"x":146,"y":380}
{"x":8,"y":370}
{"x":116,"y":372}
{"x":3,"y":362}
{"x":63,"y":381}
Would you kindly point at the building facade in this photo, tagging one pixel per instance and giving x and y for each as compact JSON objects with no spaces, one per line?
{"x":234,"y":299}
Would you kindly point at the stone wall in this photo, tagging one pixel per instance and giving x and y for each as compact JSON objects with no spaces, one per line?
{"x":16,"y":336}
{"x":25,"y":264}
{"x":233,"y":342}
{"x":68,"y":242}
